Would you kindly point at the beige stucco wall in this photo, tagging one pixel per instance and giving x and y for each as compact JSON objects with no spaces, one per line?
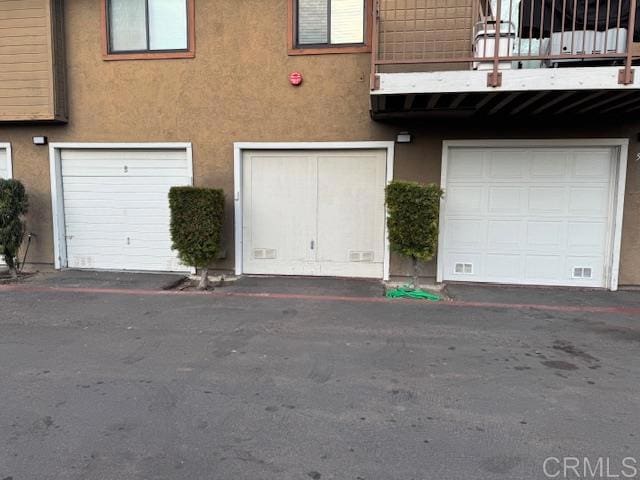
{"x":236,"y":89}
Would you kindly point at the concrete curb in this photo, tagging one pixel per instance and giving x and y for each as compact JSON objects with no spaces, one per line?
{"x":322,"y":298}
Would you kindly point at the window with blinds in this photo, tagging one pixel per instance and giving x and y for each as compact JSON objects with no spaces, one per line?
{"x":330,"y":22}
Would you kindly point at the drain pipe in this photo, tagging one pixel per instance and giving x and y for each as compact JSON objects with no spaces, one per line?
{"x":24,"y":258}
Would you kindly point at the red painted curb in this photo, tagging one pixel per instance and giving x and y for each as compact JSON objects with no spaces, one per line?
{"x":325,"y":298}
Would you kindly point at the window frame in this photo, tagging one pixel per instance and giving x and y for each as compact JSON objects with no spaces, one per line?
{"x":295,"y":49}
{"x":190,"y":52}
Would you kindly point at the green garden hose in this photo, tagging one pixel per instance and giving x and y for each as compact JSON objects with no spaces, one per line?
{"x":408,"y":292}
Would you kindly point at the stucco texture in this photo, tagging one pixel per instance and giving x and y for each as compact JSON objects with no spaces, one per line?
{"x":236,"y":89}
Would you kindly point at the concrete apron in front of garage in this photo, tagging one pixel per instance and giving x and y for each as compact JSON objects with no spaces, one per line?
{"x":85,"y":279}
{"x":472,"y":295}
{"x":541,"y":296}
{"x":250,"y":285}
{"x":306,"y":286}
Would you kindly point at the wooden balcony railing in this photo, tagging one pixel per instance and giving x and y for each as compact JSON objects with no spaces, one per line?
{"x":495,"y":35}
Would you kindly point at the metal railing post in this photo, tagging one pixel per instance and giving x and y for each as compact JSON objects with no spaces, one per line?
{"x":375,"y":23}
{"x":495,"y":76}
{"x":625,"y":76}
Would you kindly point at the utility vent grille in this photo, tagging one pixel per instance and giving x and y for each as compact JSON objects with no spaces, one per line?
{"x":264,"y":253}
{"x":464,"y":268}
{"x":360,"y":256}
{"x":582,"y":272}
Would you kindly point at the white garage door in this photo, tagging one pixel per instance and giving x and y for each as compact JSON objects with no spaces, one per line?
{"x":314,"y":213}
{"x":116,"y":207}
{"x":538,"y":216}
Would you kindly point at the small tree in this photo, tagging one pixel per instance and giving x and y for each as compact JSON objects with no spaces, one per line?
{"x":197,"y":215}
{"x":413,"y":211}
{"x":13,"y":205}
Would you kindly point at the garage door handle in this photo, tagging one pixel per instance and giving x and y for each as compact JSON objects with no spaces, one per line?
{"x":313,"y":244}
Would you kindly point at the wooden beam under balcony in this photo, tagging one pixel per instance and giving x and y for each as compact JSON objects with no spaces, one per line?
{"x":556,"y":104}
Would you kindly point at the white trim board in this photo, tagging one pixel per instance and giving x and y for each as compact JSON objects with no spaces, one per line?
{"x":240,"y":147}
{"x":55,"y":169}
{"x":616,"y":207}
{"x":528,"y":79}
{"x":7,"y":147}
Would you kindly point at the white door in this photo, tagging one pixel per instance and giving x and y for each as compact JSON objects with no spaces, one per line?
{"x":5,"y":172}
{"x":116,"y":207}
{"x":538,"y":216}
{"x":5,"y":167}
{"x":314,"y":212}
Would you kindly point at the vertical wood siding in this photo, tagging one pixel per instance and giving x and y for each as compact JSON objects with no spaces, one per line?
{"x":28,"y":84}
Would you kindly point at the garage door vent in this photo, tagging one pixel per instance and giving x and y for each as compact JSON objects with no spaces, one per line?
{"x":264,"y":253}
{"x":464,"y":268}
{"x":360,"y":256}
{"x":582,"y":272}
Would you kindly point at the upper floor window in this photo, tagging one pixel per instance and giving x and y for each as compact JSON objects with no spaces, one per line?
{"x":329,"y":24}
{"x":149,"y":28}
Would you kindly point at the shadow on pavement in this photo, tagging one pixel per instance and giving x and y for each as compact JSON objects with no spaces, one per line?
{"x":543,"y":295}
{"x":314,"y":286}
{"x":106,"y":280}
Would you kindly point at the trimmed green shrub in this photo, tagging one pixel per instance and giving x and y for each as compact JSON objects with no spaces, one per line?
{"x":414,"y":211}
{"x":13,"y":206}
{"x":197,"y":215}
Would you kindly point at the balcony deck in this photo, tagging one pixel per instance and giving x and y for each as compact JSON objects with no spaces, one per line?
{"x":481,"y":57}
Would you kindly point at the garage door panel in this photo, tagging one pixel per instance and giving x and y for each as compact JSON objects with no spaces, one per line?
{"x":114,"y":239}
{"x":100,"y":240}
{"x":123,"y":184}
{"x":133,"y":203}
{"x":109,"y":163}
{"x":504,"y":234}
{"x":465,"y":233}
{"x":550,"y":165}
{"x":593,"y":263}
{"x":591,"y":165}
{"x":543,"y":267}
{"x":350,"y":229}
{"x":547,"y":200}
{"x":121,"y":169}
{"x":589,"y":201}
{"x":110,"y":226}
{"x":123,"y":194}
{"x":277,"y":228}
{"x":548,"y":234}
{"x":536,"y":230}
{"x":587,"y":235}
{"x":114,"y":218}
{"x":505,"y":200}
{"x":349,"y":269}
{"x":105,"y":262}
{"x":508,"y":164}
{"x":120,"y":217}
{"x":499,"y":265}
{"x":464,"y":199}
{"x":117,"y":154}
{"x":464,"y":266}
{"x":468,"y":165}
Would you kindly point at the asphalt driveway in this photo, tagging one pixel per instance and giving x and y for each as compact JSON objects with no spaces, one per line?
{"x":121,"y":385}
